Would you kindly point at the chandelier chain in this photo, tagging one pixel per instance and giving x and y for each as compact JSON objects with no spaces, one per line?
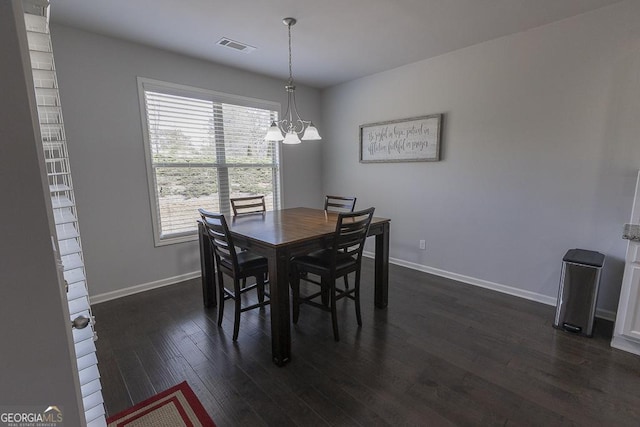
{"x":290,"y":67}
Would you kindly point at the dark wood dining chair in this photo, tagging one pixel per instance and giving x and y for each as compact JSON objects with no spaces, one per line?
{"x":339,"y":203}
{"x":344,"y":256}
{"x":247,"y":205}
{"x":237,"y":265}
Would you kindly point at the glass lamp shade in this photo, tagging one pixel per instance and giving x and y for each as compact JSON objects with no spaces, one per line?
{"x":273,"y":133}
{"x":291,"y":138}
{"x":311,"y":133}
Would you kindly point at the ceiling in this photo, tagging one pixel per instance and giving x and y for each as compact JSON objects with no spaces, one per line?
{"x":334,"y":41}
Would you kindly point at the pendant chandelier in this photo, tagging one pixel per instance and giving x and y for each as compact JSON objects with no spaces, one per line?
{"x":291,"y":129}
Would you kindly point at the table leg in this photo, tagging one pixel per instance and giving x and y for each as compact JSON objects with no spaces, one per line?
{"x":280,"y":321}
{"x":207,"y":269}
{"x":382,"y":268}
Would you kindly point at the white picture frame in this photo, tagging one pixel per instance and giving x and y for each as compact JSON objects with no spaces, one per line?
{"x":415,"y":139}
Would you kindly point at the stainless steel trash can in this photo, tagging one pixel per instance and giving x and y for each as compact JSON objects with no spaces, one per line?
{"x":578,"y":292}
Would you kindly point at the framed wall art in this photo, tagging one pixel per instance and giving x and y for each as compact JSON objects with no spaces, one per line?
{"x":407,"y":140}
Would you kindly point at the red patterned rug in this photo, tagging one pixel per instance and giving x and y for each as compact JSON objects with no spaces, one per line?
{"x":175,"y":407}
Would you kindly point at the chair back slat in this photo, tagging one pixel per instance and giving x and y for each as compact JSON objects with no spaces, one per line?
{"x":248,"y":205}
{"x":351,"y":233}
{"x":339,"y":203}
{"x":218,"y":233}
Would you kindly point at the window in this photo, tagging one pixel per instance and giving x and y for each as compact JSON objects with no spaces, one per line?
{"x":202,"y":148}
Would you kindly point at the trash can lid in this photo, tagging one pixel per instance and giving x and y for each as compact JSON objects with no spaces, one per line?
{"x":583,"y":256}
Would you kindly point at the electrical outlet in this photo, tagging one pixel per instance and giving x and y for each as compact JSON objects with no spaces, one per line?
{"x":423,"y":244}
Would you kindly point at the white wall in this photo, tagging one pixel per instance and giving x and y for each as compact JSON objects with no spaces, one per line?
{"x":540,"y":152}
{"x":37,"y":362}
{"x":97,"y":78}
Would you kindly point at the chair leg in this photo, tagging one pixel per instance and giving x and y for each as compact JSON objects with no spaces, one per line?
{"x":220,"y":298}
{"x":334,"y":314}
{"x":325,"y":297}
{"x":357,"y":298}
{"x":295,"y":290}
{"x":260,"y":287}
{"x":238,"y":301}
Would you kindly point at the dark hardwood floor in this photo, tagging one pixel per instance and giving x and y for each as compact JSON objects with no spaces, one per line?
{"x":442,"y":353}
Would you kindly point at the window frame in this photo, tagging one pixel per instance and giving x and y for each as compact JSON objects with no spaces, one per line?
{"x":148,"y":84}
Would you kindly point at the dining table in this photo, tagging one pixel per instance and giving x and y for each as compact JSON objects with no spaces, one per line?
{"x":278,"y":236}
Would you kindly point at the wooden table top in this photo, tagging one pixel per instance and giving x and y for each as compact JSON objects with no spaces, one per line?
{"x":288,"y":226}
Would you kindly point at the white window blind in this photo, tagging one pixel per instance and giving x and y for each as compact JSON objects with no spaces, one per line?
{"x":203,"y":148}
{"x":64,"y":210}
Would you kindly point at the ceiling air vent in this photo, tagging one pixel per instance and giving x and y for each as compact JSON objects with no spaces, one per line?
{"x":232,"y":44}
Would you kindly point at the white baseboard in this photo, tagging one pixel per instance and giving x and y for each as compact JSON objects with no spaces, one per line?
{"x":510,"y":290}
{"x":108,"y":296}
{"x":623,"y":344}
{"x":606,"y":314}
